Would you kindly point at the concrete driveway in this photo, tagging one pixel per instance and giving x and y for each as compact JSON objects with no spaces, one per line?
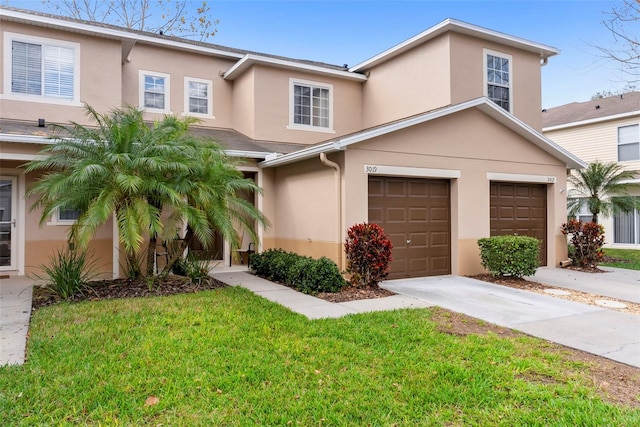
{"x":15,"y":313}
{"x":593,"y":329}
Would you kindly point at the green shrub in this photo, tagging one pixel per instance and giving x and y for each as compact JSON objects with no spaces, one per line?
{"x":197,"y":270}
{"x":368,"y":252}
{"x":305,"y":274}
{"x":514,"y":256}
{"x":586,"y":241}
{"x":67,"y":273}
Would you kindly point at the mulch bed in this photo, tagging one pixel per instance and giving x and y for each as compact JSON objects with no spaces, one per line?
{"x":127,"y":288}
{"x":353,"y":294}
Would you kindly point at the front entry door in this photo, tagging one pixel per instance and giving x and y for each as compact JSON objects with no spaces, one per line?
{"x":8,"y":206}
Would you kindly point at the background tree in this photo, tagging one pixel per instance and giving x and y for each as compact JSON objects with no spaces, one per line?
{"x":603,"y":188}
{"x":623,"y":21}
{"x":189,"y":19}
{"x":153,"y":178}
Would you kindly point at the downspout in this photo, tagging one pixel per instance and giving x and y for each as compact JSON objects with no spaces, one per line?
{"x":336,"y":167}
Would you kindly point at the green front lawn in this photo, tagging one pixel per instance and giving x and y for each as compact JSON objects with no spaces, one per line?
{"x":229,"y":358}
{"x":624,"y":258}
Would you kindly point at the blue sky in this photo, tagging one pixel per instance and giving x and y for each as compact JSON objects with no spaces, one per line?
{"x":349,"y":32}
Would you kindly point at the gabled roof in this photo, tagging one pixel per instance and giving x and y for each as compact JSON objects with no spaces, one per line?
{"x":462,"y":28}
{"x":581,"y":113}
{"x":482,"y":104}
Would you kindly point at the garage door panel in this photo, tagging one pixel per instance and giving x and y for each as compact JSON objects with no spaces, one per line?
{"x":415,"y":210}
{"x":418,"y":189}
{"x":440,"y":265}
{"x":439,"y":214}
{"x":418,"y":240}
{"x":395,"y":215}
{"x":417,"y":214}
{"x":521,"y":209}
{"x":439,"y":239}
{"x":506,"y":212}
{"x":395,"y":188}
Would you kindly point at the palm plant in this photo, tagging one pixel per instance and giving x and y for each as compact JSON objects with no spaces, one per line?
{"x":141,"y":174}
{"x":603,"y":188}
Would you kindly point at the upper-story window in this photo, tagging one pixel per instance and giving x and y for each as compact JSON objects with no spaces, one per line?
{"x":198,"y":97}
{"x":498,"y":78}
{"x":311,"y":106}
{"x":629,"y":143}
{"x":154,"y":91}
{"x":44,"y":70}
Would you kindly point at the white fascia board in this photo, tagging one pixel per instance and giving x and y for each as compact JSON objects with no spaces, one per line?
{"x":483,"y":104}
{"x":112,"y":33}
{"x":250,"y":59}
{"x":20,"y":156}
{"x":247,"y":154}
{"x":463,"y":28}
{"x":527,"y":132}
{"x":342,"y":143}
{"x":304,"y":154}
{"x":25,"y":139}
{"x":592,"y":121}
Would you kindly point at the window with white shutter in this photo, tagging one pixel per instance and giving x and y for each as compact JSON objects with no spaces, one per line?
{"x":42,"y":68}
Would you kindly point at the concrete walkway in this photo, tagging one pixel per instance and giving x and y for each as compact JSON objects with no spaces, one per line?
{"x":15,"y":313}
{"x":312,"y":307}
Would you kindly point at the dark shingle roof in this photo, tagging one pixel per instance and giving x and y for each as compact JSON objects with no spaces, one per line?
{"x":598,"y":108}
{"x":171,"y":38}
{"x":229,"y":138}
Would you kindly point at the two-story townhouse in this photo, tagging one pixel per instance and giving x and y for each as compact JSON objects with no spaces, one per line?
{"x":605,"y":130}
{"x":437,"y":138}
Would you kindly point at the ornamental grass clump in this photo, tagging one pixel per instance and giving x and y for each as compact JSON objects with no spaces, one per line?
{"x":513,"y":256}
{"x":67,"y":273}
{"x":368,"y":252}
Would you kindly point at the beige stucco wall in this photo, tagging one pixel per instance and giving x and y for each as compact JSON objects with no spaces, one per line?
{"x":100,"y":79}
{"x":243,"y":103}
{"x":467,"y":76}
{"x":414,"y":82}
{"x":305,"y":210}
{"x":179,"y":64}
{"x":272,"y":99}
{"x":479,"y":147}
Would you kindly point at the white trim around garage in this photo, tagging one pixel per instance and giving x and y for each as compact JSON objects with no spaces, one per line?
{"x":517,"y":177}
{"x":406,"y":171}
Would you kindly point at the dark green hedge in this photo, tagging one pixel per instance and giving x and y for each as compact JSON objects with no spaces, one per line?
{"x":514,"y":256}
{"x":305,"y":274}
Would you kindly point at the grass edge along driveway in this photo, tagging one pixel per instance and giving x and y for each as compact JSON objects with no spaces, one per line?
{"x":228,"y":357}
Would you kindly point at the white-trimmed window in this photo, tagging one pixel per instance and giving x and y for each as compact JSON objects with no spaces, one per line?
{"x":497,"y":78}
{"x":629,"y":143}
{"x":65,"y":217}
{"x":40,"y":69}
{"x":311,"y":106}
{"x":154,"y":92}
{"x":584,"y":214}
{"x":198,"y":97}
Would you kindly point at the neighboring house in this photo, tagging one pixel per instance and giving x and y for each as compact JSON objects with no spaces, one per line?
{"x":608,"y":130}
{"x":437,"y":138}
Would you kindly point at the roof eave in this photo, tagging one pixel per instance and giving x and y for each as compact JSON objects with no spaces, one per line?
{"x":460,"y":27}
{"x":249,"y":60}
{"x":591,"y":121}
{"x":128,"y":37}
